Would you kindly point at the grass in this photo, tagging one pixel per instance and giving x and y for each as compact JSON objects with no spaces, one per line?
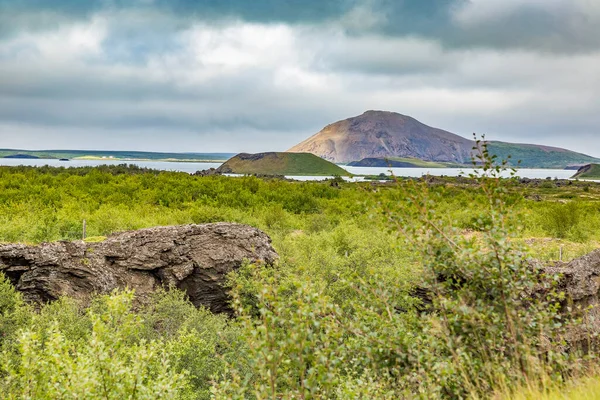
{"x":582,"y":389}
{"x":292,"y":164}
{"x":94,"y":239}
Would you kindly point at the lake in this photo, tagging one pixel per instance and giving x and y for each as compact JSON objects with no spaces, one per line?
{"x":191,"y":167}
{"x":418,"y":172}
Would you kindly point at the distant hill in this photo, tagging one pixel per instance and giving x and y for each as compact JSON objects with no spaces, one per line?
{"x":536,"y":156}
{"x":280,"y":164}
{"x":383,"y":134}
{"x":590,"y":171}
{"x":22,"y":156}
{"x":400,"y":162}
{"x":117,"y":155}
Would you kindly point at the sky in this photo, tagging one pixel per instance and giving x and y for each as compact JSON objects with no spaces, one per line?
{"x":263,"y":75}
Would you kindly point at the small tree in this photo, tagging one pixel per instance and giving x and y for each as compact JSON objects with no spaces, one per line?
{"x":495,"y":332}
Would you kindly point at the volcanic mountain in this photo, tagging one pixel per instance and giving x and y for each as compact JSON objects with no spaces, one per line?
{"x":383,"y":134}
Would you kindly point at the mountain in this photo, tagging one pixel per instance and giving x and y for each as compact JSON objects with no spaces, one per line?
{"x":280,"y":164}
{"x":377,"y":134}
{"x":384,"y":134}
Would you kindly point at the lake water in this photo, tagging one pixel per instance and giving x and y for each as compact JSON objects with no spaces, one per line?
{"x":418,"y":172}
{"x":191,"y":167}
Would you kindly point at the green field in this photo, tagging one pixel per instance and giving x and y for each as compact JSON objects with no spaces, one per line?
{"x":117,"y":155}
{"x":289,"y":164}
{"x":335,"y":318}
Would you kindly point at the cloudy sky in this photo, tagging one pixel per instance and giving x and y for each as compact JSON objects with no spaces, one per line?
{"x":258,"y":75}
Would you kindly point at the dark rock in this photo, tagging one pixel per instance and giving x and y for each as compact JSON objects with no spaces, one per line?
{"x":580,"y":281}
{"x":193,"y":258}
{"x":207,"y":172}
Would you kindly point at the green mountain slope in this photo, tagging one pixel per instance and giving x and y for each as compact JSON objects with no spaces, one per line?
{"x":280,"y":164}
{"x":591,"y":171}
{"x":536,"y":156}
{"x":117,"y":155}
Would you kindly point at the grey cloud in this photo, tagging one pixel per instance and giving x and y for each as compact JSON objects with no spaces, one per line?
{"x":140,"y":27}
{"x":147,"y":89}
{"x":567,"y":27}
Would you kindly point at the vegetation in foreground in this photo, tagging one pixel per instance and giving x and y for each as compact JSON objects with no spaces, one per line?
{"x":334,"y":319}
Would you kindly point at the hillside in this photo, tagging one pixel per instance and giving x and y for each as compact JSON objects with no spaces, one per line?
{"x":280,"y":164}
{"x":590,"y":171}
{"x":400,"y":162}
{"x":536,"y":156}
{"x":383,"y":134}
{"x":117,"y":155}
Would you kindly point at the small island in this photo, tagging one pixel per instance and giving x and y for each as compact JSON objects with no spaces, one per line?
{"x":272,"y":163}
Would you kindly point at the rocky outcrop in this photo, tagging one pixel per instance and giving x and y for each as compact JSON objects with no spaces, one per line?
{"x":193,"y":258}
{"x":580,"y":282}
{"x":207,"y":172}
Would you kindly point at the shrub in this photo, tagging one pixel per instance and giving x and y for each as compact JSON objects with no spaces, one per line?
{"x":559,"y":220}
{"x":109,"y":365}
{"x":14,"y":313}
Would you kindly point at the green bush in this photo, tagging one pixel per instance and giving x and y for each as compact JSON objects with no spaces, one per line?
{"x":14,"y":313}
{"x":48,"y":364}
{"x":560,"y":219}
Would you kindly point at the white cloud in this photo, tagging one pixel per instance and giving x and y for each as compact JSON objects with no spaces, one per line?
{"x":68,"y":43}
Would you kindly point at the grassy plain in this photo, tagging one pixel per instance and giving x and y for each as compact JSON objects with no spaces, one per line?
{"x":323,"y":323}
